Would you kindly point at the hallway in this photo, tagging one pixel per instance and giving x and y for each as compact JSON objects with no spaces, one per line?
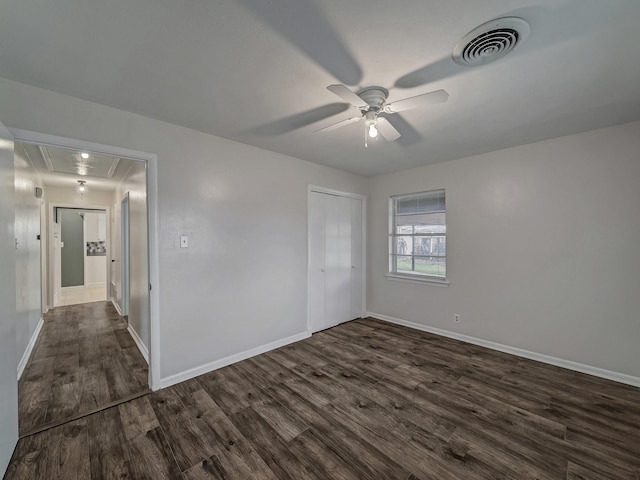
{"x":84,"y":360}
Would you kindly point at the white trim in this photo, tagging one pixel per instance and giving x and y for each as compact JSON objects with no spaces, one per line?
{"x":27,"y":353}
{"x":223,"y":362}
{"x":138,"y":340}
{"x":417,"y":279}
{"x":112,"y":169}
{"x":151,"y":161}
{"x":338,"y":193}
{"x":154,"y":272}
{"x":558,"y":362}
{"x":45,"y":156}
{"x":28,"y":136}
{"x":329,"y":191}
{"x":115,"y":304}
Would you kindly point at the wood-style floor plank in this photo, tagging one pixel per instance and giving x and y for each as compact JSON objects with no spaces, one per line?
{"x":109,"y":454}
{"x":69,"y":451}
{"x":364,"y":400}
{"x":84,"y":359}
{"x":191,"y":446}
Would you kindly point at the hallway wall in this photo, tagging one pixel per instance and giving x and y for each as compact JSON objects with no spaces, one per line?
{"x":135,"y":182}
{"x":8,"y":315}
{"x":27,"y":229}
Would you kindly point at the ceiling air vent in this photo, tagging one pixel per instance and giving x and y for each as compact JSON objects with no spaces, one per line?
{"x":490,"y":41}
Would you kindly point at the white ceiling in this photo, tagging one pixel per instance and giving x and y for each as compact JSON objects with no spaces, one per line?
{"x":63,"y":168}
{"x":256,"y":71}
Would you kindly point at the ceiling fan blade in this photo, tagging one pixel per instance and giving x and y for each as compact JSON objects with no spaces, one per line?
{"x":299,"y":120}
{"x":426,"y":99}
{"x":347,"y":95}
{"x":307,"y":27}
{"x":335,"y":126}
{"x":438,"y":70}
{"x":387,"y":130}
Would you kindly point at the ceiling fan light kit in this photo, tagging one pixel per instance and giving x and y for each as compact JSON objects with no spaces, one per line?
{"x":373,"y":106}
{"x":82,"y":188}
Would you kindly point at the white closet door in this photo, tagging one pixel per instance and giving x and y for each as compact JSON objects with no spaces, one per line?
{"x":357,"y":273}
{"x":317,"y":229}
{"x":338,"y":261}
{"x":335,"y":260}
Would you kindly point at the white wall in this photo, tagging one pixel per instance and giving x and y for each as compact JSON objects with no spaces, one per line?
{"x":134,"y":183}
{"x":27,"y":255}
{"x":8,"y":316}
{"x":242,"y":282}
{"x":69,"y":195}
{"x":542,"y":248}
{"x":95,"y":266}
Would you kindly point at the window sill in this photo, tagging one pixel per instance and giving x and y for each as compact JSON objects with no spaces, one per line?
{"x":416,"y":279}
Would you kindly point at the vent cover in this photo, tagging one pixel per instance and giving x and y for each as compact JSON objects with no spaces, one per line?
{"x":490,"y":41}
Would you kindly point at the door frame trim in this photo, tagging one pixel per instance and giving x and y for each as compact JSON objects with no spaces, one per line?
{"x":151,"y":162}
{"x":338,"y":193}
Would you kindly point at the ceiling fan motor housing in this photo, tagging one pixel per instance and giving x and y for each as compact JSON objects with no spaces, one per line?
{"x":374,"y":96}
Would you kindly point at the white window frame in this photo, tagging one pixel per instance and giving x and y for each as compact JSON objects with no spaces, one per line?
{"x":393,"y":273}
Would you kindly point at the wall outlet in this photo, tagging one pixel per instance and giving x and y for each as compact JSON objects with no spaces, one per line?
{"x":456,"y":317}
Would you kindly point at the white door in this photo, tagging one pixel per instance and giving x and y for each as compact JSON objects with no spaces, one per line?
{"x":8,"y":340}
{"x":335,"y":259}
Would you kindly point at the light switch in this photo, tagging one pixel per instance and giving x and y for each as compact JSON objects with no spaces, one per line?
{"x":184,"y":241}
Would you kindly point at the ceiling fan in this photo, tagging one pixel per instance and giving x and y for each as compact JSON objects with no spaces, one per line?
{"x":373,"y":106}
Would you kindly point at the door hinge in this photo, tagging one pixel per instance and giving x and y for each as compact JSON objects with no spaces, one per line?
{"x":149,"y":287}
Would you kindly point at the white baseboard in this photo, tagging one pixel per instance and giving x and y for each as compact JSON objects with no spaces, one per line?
{"x":558,"y":362}
{"x":223,"y":362}
{"x":27,"y":353}
{"x":117,"y":307}
{"x":141,"y":346}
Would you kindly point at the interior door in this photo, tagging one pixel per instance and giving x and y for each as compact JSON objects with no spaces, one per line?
{"x":72,"y":252}
{"x":317,"y":227}
{"x":335,"y":260}
{"x":357,"y":268}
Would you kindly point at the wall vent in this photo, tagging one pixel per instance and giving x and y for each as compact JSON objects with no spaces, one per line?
{"x":490,"y":41}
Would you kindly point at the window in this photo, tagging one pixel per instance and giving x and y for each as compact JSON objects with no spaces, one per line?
{"x":418,"y":241}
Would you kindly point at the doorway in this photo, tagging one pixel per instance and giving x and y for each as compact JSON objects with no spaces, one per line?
{"x":88,"y":369}
{"x":79,"y":239}
{"x":336,"y":258}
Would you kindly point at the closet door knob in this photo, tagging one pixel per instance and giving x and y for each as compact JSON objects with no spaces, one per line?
{"x":322,"y":269}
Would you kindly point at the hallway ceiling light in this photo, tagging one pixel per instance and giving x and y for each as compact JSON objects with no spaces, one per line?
{"x":84,"y":155}
{"x":82,"y":188}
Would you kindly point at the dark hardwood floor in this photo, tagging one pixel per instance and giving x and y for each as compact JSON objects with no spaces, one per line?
{"x":365,"y":400}
{"x":84,"y":360}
